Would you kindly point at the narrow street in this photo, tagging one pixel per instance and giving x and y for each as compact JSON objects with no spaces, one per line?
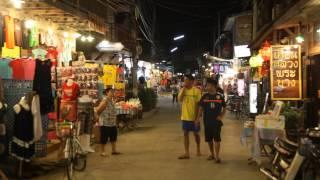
{"x":151,"y":152}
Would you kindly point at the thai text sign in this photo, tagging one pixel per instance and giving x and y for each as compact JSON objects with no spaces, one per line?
{"x":285,"y":68}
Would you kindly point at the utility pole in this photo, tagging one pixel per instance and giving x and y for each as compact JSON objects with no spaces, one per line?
{"x":135,"y":55}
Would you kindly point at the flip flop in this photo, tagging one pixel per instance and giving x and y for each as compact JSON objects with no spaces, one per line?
{"x":103,"y":155}
{"x":116,"y":153}
{"x":184,"y":157}
{"x":218,"y":161}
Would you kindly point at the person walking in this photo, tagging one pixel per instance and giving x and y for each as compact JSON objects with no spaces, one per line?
{"x":213,"y":107}
{"x":175,"y":92}
{"x":189,"y":96}
{"x":108,"y":122}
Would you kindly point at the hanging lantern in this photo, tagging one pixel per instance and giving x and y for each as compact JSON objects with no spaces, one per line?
{"x":265,"y":51}
{"x":256,"y":61}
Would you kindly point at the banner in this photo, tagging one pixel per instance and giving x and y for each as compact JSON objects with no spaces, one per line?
{"x":285,"y":69}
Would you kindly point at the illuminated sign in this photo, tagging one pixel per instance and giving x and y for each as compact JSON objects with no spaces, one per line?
{"x":285,"y":69}
{"x":242,"y":51}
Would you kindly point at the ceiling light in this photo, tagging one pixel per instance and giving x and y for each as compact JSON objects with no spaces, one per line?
{"x":30,"y":23}
{"x":65,"y":34}
{"x":90,"y":38}
{"x":83,"y":38}
{"x":174,"y":49}
{"x":17,"y":3}
{"x":178,"y":37}
{"x":300,"y":39}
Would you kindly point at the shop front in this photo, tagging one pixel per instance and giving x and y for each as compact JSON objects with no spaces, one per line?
{"x":284,"y":76}
{"x":45,"y":85}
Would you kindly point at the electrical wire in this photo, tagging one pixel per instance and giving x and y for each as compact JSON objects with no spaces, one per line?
{"x":205,"y":4}
{"x":183,"y":12}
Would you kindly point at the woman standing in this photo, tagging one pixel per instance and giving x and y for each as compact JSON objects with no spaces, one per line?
{"x":108,"y":122}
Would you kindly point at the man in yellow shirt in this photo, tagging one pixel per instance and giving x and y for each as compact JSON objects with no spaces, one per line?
{"x":189,"y":96}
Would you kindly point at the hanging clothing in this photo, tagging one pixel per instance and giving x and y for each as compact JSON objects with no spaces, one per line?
{"x":9,"y":32}
{"x":65,"y":55}
{"x":86,"y":117}
{"x":39,"y":53}
{"x":22,"y":146}
{"x":120,"y":74}
{"x":25,"y":36}
{"x":5,"y":69}
{"x":68,"y":110}
{"x":17,"y":32}
{"x":10,"y":52}
{"x":33,"y":37}
{"x":52,"y":53}
{"x":42,"y":85}
{"x":3,"y":111}
{"x":23,"y":69}
{"x":1,"y":91}
{"x":70,"y":93}
{"x":110,"y":74}
{"x":37,"y":120}
{"x":1,"y":31}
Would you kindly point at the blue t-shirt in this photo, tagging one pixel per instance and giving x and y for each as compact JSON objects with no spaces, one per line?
{"x":5,"y":69}
{"x":212,"y":105}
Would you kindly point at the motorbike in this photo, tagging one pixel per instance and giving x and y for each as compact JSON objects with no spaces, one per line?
{"x":296,"y":160}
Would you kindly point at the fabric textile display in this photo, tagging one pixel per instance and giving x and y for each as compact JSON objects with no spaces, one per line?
{"x":110,"y":74}
{"x":9,"y":32}
{"x":5,"y":70}
{"x":42,"y":85}
{"x":86,"y":117}
{"x":13,"y":52}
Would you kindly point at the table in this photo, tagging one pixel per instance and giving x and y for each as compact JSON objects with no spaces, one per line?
{"x":264,"y":133}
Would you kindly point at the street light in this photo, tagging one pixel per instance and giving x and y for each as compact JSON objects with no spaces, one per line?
{"x":178,"y":37}
{"x":174,"y":49}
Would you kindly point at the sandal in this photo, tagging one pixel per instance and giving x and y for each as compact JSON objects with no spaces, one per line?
{"x":184,"y":157}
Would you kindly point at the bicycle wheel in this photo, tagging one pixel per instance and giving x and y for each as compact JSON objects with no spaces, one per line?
{"x":80,"y":162}
{"x":70,"y":159}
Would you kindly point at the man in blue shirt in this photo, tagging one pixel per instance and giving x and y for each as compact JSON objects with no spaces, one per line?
{"x":213,"y":108}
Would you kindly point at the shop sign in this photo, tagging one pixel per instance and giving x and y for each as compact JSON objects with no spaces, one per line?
{"x":285,"y":71}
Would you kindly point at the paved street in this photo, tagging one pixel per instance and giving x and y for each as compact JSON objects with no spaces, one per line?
{"x":151,"y":152}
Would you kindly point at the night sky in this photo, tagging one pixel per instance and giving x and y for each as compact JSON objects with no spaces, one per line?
{"x":197,"y":20}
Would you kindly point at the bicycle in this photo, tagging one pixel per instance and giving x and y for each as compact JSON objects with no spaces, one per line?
{"x":76,"y":158}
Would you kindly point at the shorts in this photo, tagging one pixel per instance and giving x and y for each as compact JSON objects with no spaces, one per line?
{"x":212,"y":131}
{"x":108,"y":134}
{"x":190,"y":126}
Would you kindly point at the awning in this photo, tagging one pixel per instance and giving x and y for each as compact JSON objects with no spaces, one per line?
{"x":60,"y":14}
